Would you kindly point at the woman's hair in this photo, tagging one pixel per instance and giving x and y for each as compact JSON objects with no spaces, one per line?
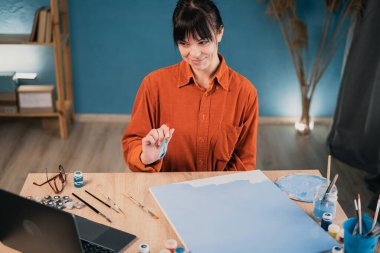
{"x":196,"y":18}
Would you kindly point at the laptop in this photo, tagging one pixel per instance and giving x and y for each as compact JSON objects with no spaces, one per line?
{"x":28,"y":226}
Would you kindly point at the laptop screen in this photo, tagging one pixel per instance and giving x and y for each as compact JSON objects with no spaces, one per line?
{"x":28,"y":226}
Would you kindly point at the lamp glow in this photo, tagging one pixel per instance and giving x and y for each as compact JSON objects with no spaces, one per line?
{"x":301,"y":127}
{"x":30,"y":76}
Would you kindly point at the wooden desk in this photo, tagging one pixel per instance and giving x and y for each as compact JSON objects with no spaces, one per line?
{"x":148,"y":230}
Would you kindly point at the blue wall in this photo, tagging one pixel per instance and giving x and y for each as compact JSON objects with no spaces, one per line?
{"x":114,"y":44}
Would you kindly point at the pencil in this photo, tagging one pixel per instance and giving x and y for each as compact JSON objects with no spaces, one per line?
{"x":141,"y":206}
{"x":376,"y":214}
{"x":92,"y":208}
{"x":328,"y":170}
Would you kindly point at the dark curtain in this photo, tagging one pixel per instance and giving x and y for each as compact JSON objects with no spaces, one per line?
{"x":355,"y":134}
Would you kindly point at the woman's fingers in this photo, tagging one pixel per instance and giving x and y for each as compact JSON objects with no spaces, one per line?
{"x":153,"y":149}
{"x":165,"y":131}
{"x":154,"y":134}
{"x":148,"y":140}
{"x":171,"y":131}
{"x":157,"y":135}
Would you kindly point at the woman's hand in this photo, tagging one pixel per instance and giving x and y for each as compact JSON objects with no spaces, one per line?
{"x":151,"y":143}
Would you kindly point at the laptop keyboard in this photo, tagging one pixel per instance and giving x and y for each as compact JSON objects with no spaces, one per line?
{"x":89,"y":247}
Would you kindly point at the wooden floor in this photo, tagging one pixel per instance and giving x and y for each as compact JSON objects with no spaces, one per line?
{"x":95,"y":147}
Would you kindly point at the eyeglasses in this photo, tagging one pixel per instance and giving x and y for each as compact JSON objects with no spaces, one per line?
{"x":57,"y":187}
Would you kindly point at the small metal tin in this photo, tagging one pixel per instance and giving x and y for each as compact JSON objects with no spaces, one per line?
{"x":69,"y":205}
{"x":79,"y":204}
{"x":59,"y":204}
{"x":38,"y":199}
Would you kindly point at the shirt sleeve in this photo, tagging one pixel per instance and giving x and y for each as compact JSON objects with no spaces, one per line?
{"x":244,"y":154}
{"x":143,"y":119}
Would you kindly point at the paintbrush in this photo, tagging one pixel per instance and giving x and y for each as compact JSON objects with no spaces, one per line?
{"x":91,"y":207}
{"x":332,"y":183}
{"x":328,"y":170}
{"x":360,"y":214}
{"x":101,"y":201}
{"x":373,"y":232}
{"x":376,"y":214}
{"x":141,"y":205}
{"x":357,"y":215}
{"x":110,"y":200}
{"x":375,"y":229}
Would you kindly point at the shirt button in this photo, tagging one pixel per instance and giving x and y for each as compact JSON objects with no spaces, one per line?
{"x":204,"y":116}
{"x":201,"y":140}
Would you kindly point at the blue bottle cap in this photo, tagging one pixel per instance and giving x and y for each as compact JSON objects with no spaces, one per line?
{"x":180,"y":250}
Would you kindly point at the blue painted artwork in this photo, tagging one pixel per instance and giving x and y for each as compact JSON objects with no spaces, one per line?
{"x":240,"y":212}
{"x":300,"y":187}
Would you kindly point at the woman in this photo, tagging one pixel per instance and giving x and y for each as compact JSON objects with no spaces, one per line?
{"x":213,"y":109}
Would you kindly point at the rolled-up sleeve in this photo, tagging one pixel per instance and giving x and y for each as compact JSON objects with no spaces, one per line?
{"x":143,"y":119}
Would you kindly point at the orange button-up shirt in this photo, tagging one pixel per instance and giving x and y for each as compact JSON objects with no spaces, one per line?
{"x":215,"y":129}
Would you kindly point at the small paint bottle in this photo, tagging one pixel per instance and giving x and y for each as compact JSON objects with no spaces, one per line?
{"x":180,"y":250}
{"x":326,"y":220}
{"x":171,"y":245}
{"x":337,"y":249}
{"x":341,"y":235}
{"x":333,"y":230}
{"x":78,"y":179}
{"x":144,"y":248}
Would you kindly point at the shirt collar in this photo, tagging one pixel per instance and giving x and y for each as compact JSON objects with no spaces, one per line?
{"x":186,"y":75}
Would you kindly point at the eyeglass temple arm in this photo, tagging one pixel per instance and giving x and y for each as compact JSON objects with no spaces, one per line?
{"x":41,"y":184}
{"x":47,"y":181}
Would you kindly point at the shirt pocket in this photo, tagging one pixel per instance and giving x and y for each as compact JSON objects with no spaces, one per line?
{"x":226,"y":139}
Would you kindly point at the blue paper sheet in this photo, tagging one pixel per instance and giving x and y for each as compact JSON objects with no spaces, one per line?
{"x":240,"y":212}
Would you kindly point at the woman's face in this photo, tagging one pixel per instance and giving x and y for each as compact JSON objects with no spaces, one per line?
{"x":199,"y":53}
